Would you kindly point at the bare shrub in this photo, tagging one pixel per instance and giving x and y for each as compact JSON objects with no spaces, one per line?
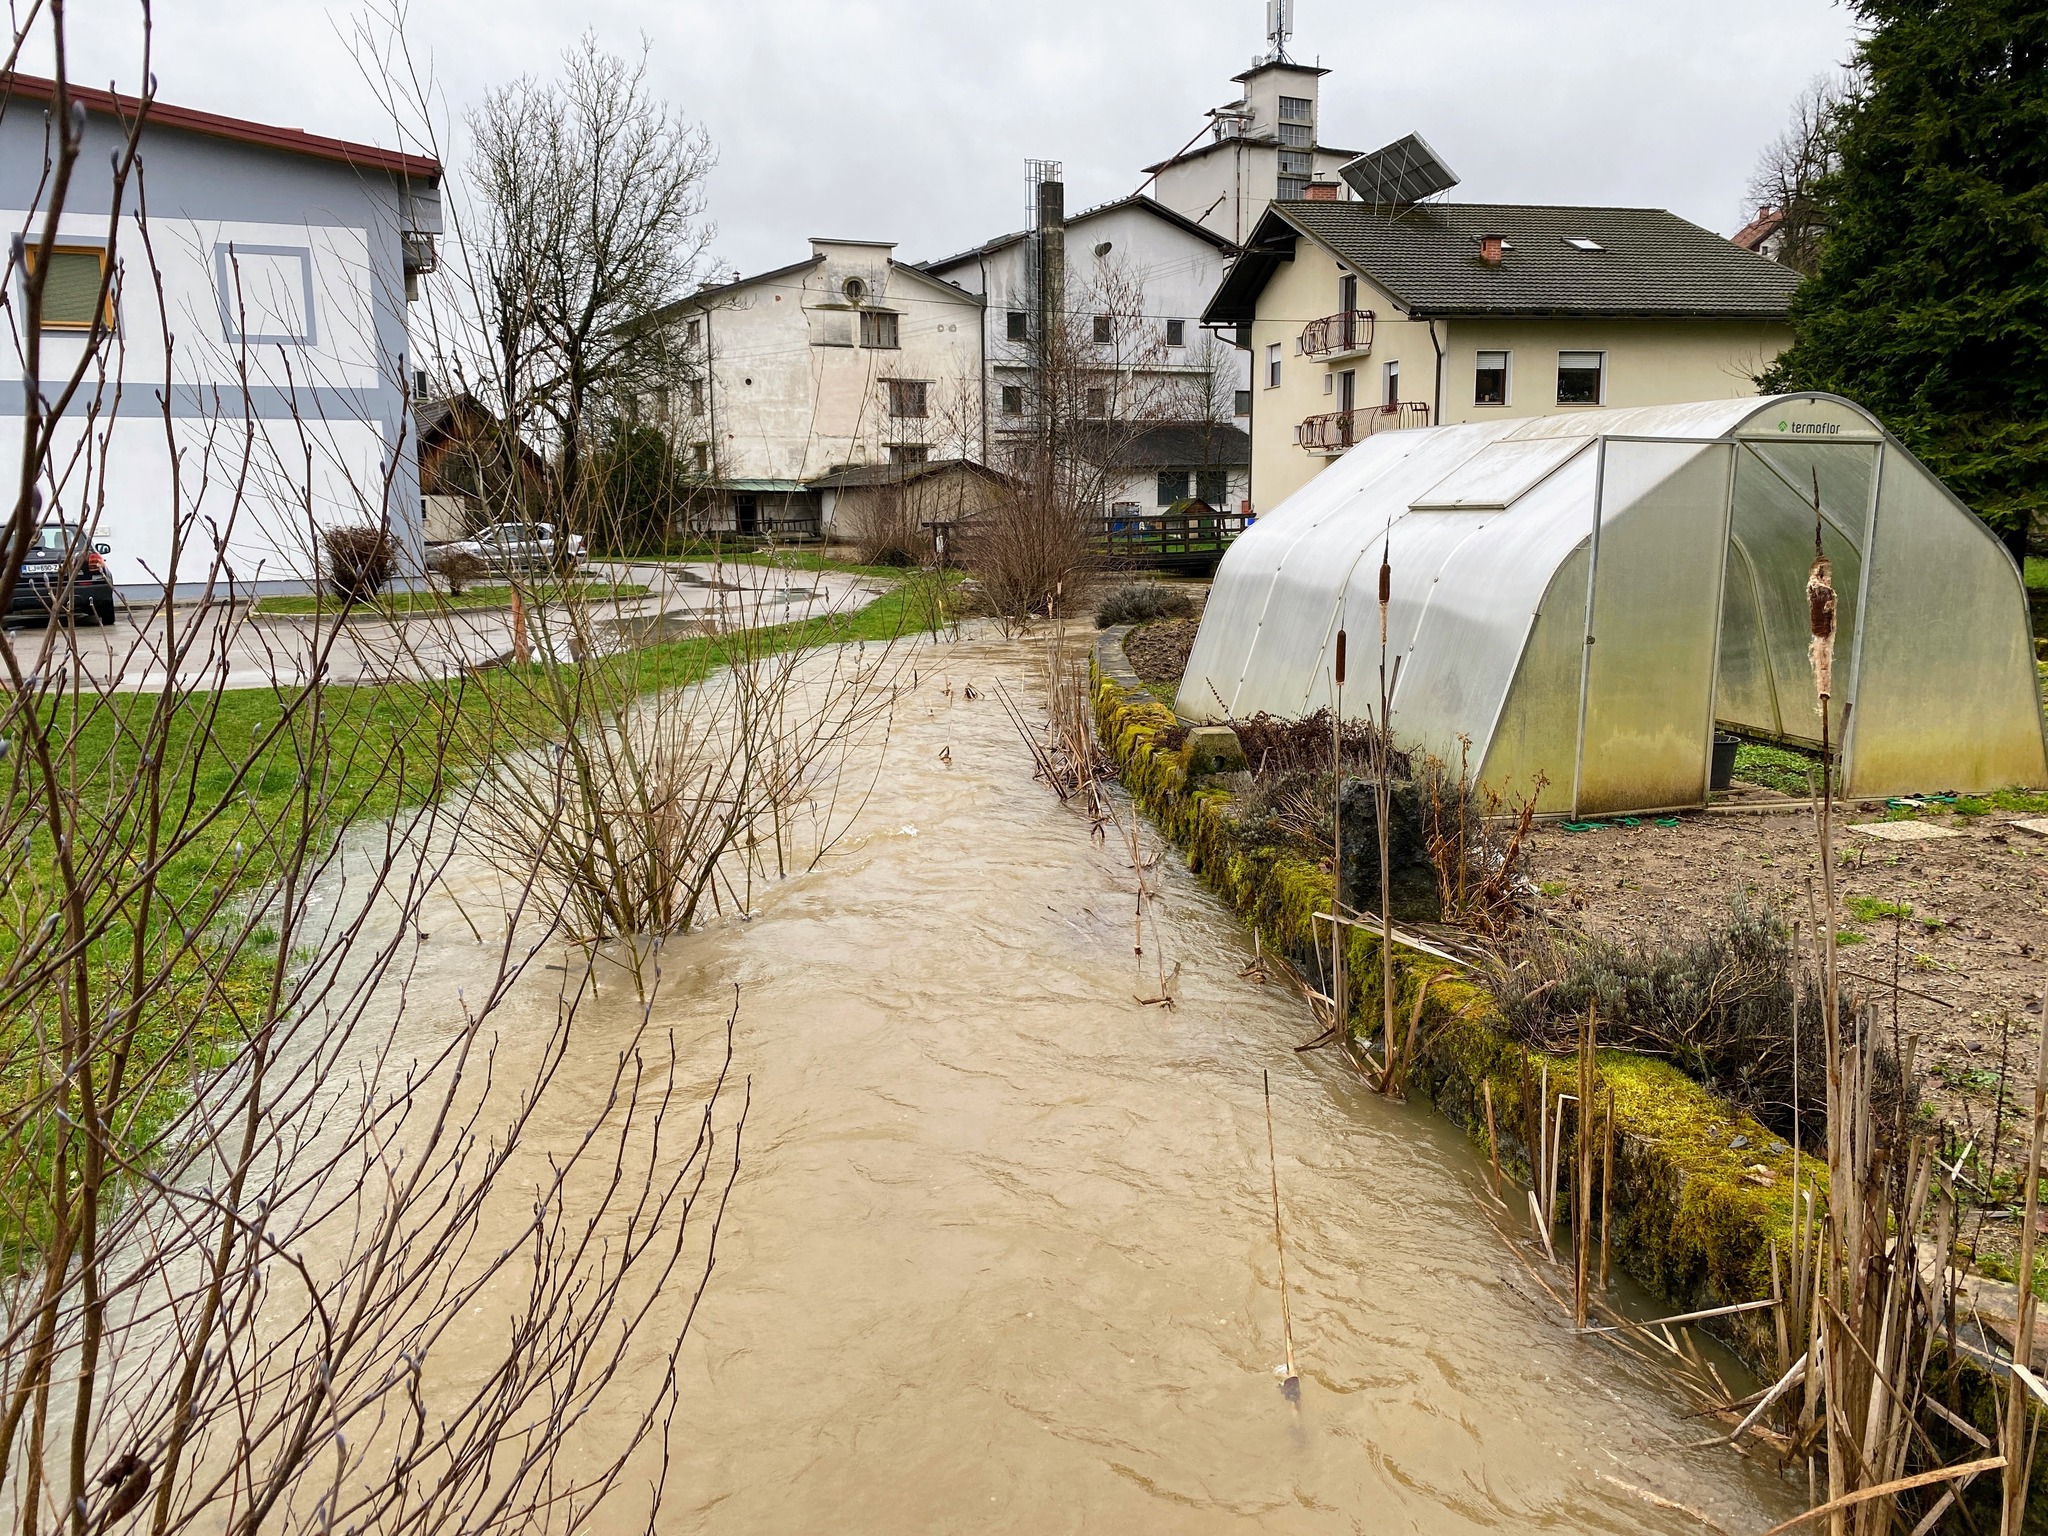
{"x":459,"y":569}
{"x":360,"y":560}
{"x":1032,"y":552}
{"x":1141,"y":602}
{"x":652,"y":805}
{"x":290,"y":1236}
{"x":887,"y":532}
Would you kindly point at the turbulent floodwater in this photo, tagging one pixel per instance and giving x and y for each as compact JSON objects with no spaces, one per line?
{"x":1000,"y":1254}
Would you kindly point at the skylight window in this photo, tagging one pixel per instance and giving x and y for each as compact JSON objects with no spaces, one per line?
{"x":1581,"y":243}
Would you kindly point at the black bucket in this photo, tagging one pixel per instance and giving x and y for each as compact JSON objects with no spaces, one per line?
{"x":1724,"y":760}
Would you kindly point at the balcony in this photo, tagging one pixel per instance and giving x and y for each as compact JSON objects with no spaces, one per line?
{"x":1346,"y":333}
{"x":1339,"y":430}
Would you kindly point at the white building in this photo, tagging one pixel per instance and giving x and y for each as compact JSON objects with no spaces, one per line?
{"x":1137,"y":278}
{"x":1260,"y":147}
{"x":258,"y":333}
{"x":847,"y":358}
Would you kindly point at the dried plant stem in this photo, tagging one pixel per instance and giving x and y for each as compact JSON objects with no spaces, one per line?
{"x":1279,"y":1240}
{"x":1582,"y":1202}
{"x":2017,"y":1414}
{"x":1492,"y":1137}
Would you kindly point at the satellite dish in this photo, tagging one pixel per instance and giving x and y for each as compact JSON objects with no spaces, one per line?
{"x":1405,"y":171}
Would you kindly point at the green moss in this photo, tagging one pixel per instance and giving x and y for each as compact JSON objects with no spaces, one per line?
{"x":1693,"y":1221}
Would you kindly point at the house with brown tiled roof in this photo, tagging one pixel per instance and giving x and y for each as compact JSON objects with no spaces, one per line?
{"x":1362,"y":318}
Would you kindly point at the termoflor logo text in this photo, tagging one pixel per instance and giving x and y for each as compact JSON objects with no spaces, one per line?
{"x":1810,"y":428}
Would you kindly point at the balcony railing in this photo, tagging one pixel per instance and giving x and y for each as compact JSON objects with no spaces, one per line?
{"x":1338,"y":430}
{"x":1349,"y":330}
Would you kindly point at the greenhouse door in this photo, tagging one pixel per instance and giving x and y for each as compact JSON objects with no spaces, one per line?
{"x":1653,"y":618}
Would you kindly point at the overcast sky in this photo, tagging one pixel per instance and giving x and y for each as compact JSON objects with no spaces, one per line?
{"x":910,"y":120}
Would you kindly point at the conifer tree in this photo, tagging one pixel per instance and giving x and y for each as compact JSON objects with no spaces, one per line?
{"x":1930,"y":304}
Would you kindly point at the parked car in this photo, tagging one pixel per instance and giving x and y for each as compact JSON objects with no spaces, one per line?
{"x":60,"y":554}
{"x":524,"y":547}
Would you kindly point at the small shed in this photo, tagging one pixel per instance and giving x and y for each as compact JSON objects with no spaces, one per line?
{"x":1582,"y":598}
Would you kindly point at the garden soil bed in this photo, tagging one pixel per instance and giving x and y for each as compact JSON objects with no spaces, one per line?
{"x":1158,"y":653}
{"x":1970,"y":946}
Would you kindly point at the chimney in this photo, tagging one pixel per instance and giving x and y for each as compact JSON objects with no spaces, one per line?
{"x":1323,"y":192}
{"x":1490,"y":248}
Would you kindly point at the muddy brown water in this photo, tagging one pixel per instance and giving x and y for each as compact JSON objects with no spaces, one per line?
{"x":1000,"y":1254}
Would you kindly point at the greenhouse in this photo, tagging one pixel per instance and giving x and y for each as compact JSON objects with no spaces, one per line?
{"x":1579,"y":600}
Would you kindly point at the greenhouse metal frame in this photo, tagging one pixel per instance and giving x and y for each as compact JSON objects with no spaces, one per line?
{"x":1579,"y":600}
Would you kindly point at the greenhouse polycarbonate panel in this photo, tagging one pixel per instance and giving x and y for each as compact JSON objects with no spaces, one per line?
{"x":1745,"y":696}
{"x":1653,"y":627}
{"x":1267,"y":639}
{"x":1474,"y":624}
{"x":1532,"y":751}
{"x":1499,"y":475}
{"x":1774,"y":526}
{"x":1946,"y":696}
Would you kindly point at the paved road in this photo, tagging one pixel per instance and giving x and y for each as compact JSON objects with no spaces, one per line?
{"x":223,"y":645}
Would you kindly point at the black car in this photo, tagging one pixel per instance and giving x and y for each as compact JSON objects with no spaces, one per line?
{"x":59,"y":557}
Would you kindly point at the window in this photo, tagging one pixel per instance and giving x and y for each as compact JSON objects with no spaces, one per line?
{"x":1581,"y":243}
{"x":1273,"y":366}
{"x":1103,"y":331}
{"x":909,"y":453}
{"x":1490,"y":379}
{"x":1173,"y":486}
{"x":1020,"y":325}
{"x":1297,"y":162}
{"x":696,"y":394}
{"x":71,"y":290}
{"x":1213,"y":486}
{"x":700,"y":457}
{"x":1013,"y":399}
{"x":1297,"y":109}
{"x":1242,"y":405}
{"x":1390,"y":384}
{"x":906,"y":397}
{"x":1329,"y":383}
{"x":1297,"y":135}
{"x":854,"y":289}
{"x":878,"y":329}
{"x":1580,"y":377}
{"x":1097,"y":399}
{"x":692,"y":331}
{"x":1176,"y":333}
{"x":1293,"y":188}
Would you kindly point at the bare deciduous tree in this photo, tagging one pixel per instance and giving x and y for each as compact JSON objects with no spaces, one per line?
{"x":1792,"y":172}
{"x":589,"y":214}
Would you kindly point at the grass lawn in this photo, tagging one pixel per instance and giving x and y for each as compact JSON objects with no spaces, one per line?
{"x":779,"y":559}
{"x":401,"y":604}
{"x":249,"y":769}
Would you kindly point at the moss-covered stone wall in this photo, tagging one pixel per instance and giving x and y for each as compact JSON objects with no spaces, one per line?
{"x":1700,"y":1192}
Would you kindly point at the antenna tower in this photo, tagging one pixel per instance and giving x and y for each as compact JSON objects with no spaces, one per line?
{"x":1279,"y":28}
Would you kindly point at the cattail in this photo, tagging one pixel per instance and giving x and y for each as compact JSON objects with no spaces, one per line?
{"x":1820,"y":604}
{"x":1340,"y":658}
{"x":1386,"y":593}
{"x":1820,"y":608}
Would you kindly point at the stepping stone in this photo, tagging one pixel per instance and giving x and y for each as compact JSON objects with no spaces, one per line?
{"x":2038,"y":825}
{"x":1904,"y":831}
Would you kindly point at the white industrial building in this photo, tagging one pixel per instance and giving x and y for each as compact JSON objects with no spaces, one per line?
{"x":849,"y":357}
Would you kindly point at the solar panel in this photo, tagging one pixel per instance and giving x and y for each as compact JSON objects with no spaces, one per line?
{"x":1405,"y":171}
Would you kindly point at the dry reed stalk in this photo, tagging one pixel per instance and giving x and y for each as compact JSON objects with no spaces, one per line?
{"x":1383,"y":801}
{"x":2017,"y":1415}
{"x":1492,"y":1137}
{"x":1338,"y":999}
{"x":1279,"y":1241}
{"x":1582,"y":1202}
{"x":1606,"y":1183}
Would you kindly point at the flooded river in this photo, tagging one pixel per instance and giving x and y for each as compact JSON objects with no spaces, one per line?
{"x":1000,"y":1254}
